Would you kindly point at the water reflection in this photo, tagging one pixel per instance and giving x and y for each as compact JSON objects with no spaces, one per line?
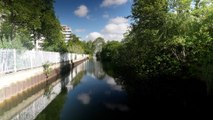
{"x":28,"y":105}
{"x":95,"y":70}
{"x":84,"y":98}
{"x":32,"y":110}
{"x":120,"y":107}
{"x":109,"y":80}
{"x":87,"y":92}
{"x":16,"y":104}
{"x":93,"y":95}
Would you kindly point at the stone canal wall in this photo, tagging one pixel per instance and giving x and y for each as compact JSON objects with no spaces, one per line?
{"x":28,"y":104}
{"x":12,"y":84}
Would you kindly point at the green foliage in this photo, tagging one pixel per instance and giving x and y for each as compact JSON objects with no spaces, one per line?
{"x":110,"y":51}
{"x":98,"y":43}
{"x":168,"y":38}
{"x":21,"y":41}
{"x":98,"y":40}
{"x":89,"y":47}
{"x":37,"y":17}
{"x":23,"y":23}
{"x":47,"y":69}
{"x":75,"y":45}
{"x":77,"y":79}
{"x":48,"y":90}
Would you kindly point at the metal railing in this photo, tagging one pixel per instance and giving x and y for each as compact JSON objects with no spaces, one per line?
{"x":12,"y":60}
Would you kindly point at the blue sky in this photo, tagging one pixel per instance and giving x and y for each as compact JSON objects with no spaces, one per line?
{"x":90,"y":19}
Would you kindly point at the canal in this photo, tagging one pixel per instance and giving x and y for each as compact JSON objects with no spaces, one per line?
{"x":90,"y":95}
{"x":87,"y":92}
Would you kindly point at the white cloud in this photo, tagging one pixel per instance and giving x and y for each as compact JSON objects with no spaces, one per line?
{"x":115,"y":29}
{"x":118,"y":20}
{"x":92,"y":36}
{"x":80,"y":30}
{"x":107,"y":3}
{"x":117,"y":88}
{"x":81,"y":11}
{"x":110,"y":81}
{"x":84,"y":98}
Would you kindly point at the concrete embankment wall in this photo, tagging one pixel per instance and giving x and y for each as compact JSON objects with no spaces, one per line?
{"x":16,"y":83}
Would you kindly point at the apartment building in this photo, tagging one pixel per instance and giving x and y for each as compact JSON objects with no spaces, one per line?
{"x":66,"y":31}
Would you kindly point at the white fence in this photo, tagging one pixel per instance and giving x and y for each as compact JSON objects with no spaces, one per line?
{"x":12,"y":60}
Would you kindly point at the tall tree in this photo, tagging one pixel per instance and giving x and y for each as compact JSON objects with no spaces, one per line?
{"x":168,"y":38}
{"x":147,"y":31}
{"x":36,"y":16}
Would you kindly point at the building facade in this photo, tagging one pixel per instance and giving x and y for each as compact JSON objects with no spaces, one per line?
{"x":66,"y":31}
{"x":38,"y":43}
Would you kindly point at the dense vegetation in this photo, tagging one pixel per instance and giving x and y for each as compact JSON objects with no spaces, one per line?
{"x":88,"y":47}
{"x":76,"y":46}
{"x":168,"y":38}
{"x":22,"y":22}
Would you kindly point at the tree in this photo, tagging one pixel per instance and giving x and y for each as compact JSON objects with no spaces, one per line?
{"x":98,"y":43}
{"x":110,"y":51}
{"x":74,"y":45}
{"x":89,"y":47}
{"x":146,"y":34}
{"x":51,"y":29}
{"x":168,"y":38}
{"x":36,"y":16}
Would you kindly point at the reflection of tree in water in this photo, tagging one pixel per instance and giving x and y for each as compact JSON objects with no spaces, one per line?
{"x":95,"y":69}
{"x":162,"y":94}
{"x":49,"y":86}
{"x":77,"y":79}
{"x":48,"y":91}
{"x":51,"y":112}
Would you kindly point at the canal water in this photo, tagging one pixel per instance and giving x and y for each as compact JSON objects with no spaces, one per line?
{"x":86,"y":93}
{"x":89,"y":93}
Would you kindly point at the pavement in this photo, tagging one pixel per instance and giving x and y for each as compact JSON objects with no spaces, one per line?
{"x":11,"y":78}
